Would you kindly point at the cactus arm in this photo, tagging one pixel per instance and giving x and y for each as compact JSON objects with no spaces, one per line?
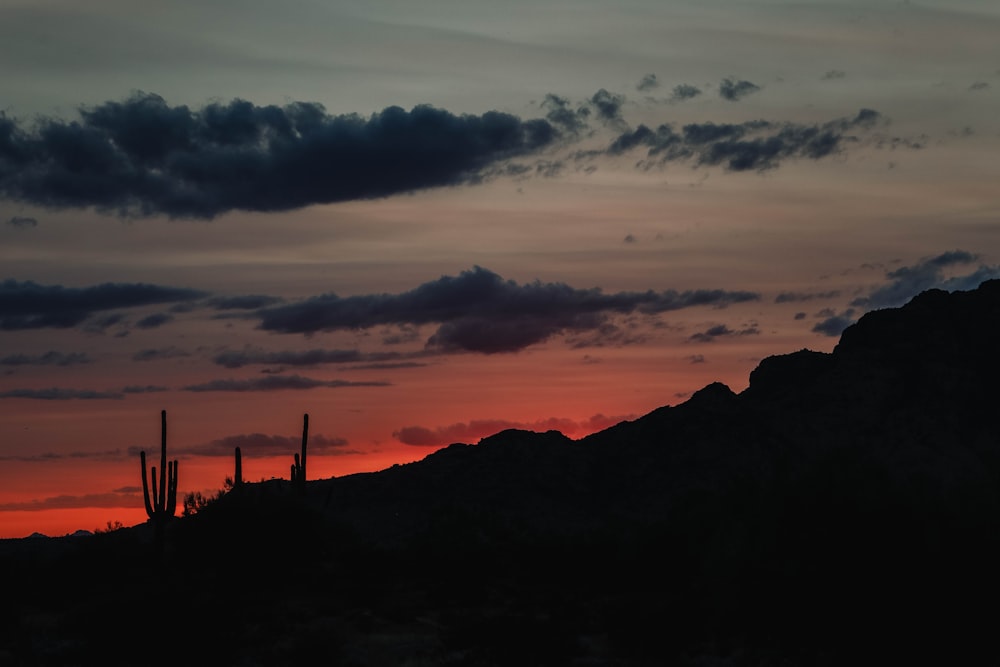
{"x":145,"y":485}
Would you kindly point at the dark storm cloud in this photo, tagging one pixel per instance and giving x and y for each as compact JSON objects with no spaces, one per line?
{"x":481,"y":312}
{"x":28,"y":305}
{"x":21,"y":222}
{"x":733,"y":90}
{"x":61,"y":394}
{"x":908,"y":281}
{"x":142,"y":157}
{"x":50,"y":358}
{"x":261,"y":444}
{"x":276,"y":383}
{"x":752,"y":145}
{"x":647,"y":82}
{"x":684,"y":91}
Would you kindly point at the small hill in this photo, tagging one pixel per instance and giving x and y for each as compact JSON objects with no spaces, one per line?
{"x":843,"y":509}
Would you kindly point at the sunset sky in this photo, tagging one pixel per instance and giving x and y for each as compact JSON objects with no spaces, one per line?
{"x":422,"y":223}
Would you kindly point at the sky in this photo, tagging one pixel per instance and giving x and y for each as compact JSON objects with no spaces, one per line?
{"x":423,"y":223}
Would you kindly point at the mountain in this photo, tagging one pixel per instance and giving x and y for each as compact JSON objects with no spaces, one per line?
{"x":844,"y":508}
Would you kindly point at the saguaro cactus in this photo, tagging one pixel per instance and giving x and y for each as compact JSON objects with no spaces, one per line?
{"x":299,"y":467}
{"x":162,"y":504}
{"x":238,"y":477}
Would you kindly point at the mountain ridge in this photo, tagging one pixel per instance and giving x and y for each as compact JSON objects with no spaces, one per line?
{"x":843,"y":508}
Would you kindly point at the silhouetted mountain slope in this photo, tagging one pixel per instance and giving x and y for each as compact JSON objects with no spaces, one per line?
{"x":843,"y":509}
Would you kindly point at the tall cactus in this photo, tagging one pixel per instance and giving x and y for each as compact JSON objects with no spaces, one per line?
{"x":164,"y":497}
{"x":238,"y":477}
{"x":299,"y":467}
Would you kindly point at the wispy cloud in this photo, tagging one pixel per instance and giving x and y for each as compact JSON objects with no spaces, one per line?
{"x":50,"y":358}
{"x":28,"y":305}
{"x":62,"y":394}
{"x":277,"y":383}
{"x":74,"y":502}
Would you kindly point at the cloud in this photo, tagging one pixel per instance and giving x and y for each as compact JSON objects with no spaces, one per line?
{"x":684,"y":91}
{"x":238,"y":359}
{"x":143,"y":157}
{"x":478,"y":311}
{"x":721,"y":330}
{"x":696,"y":358}
{"x":562,"y":115}
{"x":647,"y":82}
{"x":476,"y":430}
{"x":156,"y":354}
{"x":21,"y":222}
{"x":929,"y":273}
{"x":154,"y":321}
{"x":832,"y":74}
{"x":246,"y":302}
{"x":28,"y":305}
{"x":277,"y":383}
{"x":315,"y":357}
{"x":61,"y":394}
{"x":608,"y":105}
{"x":46,"y":457}
{"x":795,"y":297}
{"x":260,"y":444}
{"x":50,"y":358}
{"x":144,"y":389}
{"x":752,"y":145}
{"x":979,"y":85}
{"x":834,"y":325}
{"x":104,"y":500}
{"x":733,"y":90}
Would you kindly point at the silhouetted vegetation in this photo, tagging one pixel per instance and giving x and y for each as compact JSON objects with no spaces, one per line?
{"x":845,"y":509}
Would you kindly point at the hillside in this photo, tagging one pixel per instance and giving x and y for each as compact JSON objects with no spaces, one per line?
{"x":843,"y":509}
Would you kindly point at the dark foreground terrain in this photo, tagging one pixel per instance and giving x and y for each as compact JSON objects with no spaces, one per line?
{"x":843,"y":510}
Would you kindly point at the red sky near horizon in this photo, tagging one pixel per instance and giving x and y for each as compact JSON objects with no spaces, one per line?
{"x":425,"y":230}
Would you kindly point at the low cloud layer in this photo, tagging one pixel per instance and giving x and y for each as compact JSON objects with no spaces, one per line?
{"x":142,"y":157}
{"x":50,"y":358}
{"x":478,"y":311}
{"x":261,"y":444}
{"x":28,"y":305}
{"x":314,"y":357}
{"x":277,"y":383}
